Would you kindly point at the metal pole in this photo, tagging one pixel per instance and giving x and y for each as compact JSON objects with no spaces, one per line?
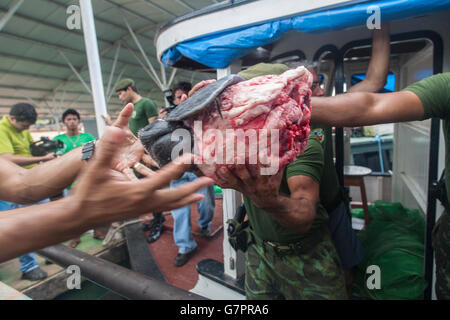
{"x":115,"y":84}
{"x":339,"y":143}
{"x":125,"y":282}
{"x":10,"y":13}
{"x":108,"y":88}
{"x":76,"y":72}
{"x":95,"y":72}
{"x":172,"y":76}
{"x":160,"y":85}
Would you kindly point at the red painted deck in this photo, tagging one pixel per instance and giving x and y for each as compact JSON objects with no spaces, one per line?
{"x":164,"y":250}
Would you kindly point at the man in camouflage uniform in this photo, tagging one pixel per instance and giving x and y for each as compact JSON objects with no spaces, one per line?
{"x":290,"y":253}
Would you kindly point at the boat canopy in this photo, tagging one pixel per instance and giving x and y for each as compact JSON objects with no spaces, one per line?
{"x":220,"y":49}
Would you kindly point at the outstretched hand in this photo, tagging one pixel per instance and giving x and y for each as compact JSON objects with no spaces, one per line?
{"x":104,"y":196}
{"x":132,"y":150}
{"x":197,"y":87}
{"x":263,"y":190}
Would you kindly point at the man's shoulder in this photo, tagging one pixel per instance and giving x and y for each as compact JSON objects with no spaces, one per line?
{"x":309,"y":162}
{"x":319,"y":133}
{"x":4,"y":127}
{"x":87,"y":135}
{"x":434,"y":92}
{"x":316,"y":138}
{"x":146,"y":101}
{"x":60,"y":136}
{"x":437,"y":81}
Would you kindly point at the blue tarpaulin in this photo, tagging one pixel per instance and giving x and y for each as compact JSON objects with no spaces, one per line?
{"x":220,"y":49}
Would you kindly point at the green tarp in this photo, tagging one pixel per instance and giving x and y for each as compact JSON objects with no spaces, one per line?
{"x":394,"y":242}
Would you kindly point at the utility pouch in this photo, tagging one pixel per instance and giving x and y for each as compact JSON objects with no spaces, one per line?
{"x":237,"y":230}
{"x":439,"y":191}
{"x":239,"y":238}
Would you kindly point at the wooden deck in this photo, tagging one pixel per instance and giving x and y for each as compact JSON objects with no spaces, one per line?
{"x":164,"y":250}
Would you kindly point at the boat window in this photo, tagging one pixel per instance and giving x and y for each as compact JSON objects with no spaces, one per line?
{"x":326,"y":69}
{"x":410,"y":61}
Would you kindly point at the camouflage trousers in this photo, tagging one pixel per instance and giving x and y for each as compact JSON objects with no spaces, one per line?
{"x":314,"y":275}
{"x":441,"y":245}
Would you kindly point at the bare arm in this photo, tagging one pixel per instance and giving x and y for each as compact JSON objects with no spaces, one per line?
{"x":150,"y":120}
{"x":102,"y":196}
{"x":361,"y":109}
{"x":25,"y":161}
{"x":25,"y":186}
{"x":295,"y":212}
{"x":379,"y":63}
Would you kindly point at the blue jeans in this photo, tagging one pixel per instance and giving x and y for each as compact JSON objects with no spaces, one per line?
{"x":28,"y":261}
{"x":182,"y":216}
{"x":349,"y":247}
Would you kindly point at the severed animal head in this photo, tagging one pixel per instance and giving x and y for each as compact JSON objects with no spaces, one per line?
{"x":260,"y":122}
{"x":157,"y":137}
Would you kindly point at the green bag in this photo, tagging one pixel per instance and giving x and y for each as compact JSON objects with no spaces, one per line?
{"x":394,"y":241}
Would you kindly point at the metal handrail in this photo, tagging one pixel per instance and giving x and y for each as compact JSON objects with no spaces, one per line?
{"x":127,"y":283}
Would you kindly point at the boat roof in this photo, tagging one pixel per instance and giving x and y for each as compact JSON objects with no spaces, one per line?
{"x":230,"y":34}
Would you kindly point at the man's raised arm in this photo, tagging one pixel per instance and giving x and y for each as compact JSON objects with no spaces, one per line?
{"x":379,"y":63}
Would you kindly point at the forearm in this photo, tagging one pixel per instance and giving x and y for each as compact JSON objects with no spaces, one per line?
{"x":378,"y":69}
{"x":344,"y":110}
{"x":362,"y":109}
{"x":49,"y":178}
{"x":28,"y":229}
{"x":295,"y":214}
{"x":22,"y":161}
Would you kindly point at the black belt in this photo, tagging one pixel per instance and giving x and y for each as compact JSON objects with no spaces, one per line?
{"x":298,"y":247}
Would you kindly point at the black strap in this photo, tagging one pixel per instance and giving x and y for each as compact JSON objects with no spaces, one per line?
{"x":439,"y":190}
{"x":342,"y":196}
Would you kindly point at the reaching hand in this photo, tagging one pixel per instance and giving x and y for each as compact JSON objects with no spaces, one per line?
{"x":200,"y":85}
{"x":162,"y":114}
{"x":132,"y":150}
{"x":107,"y":119}
{"x":49,"y":156}
{"x":263,"y":190}
{"x":104,"y":196}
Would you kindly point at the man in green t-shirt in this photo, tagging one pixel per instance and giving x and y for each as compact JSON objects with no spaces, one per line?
{"x":291,"y":254}
{"x":73,"y":139}
{"x":145,"y":112}
{"x":427,"y":98}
